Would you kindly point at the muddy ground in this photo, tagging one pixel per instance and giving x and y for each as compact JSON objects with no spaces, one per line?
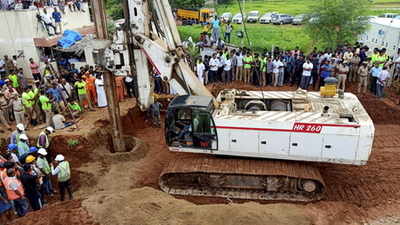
{"x":122,"y":188}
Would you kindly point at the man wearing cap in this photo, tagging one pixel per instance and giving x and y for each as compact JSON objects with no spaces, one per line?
{"x":43,"y":165}
{"x":23,"y":147}
{"x":12,"y":149}
{"x":15,"y":192}
{"x":43,"y":140}
{"x":29,"y":181}
{"x":15,"y":135}
{"x":63,"y":172}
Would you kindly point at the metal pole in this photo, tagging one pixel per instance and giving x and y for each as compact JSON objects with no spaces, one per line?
{"x":109,"y":80}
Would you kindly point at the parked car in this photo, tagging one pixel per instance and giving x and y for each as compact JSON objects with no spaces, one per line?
{"x":282,"y":19}
{"x":226,"y":17}
{"x":238,"y":18}
{"x":388,"y":15}
{"x":267,"y":17}
{"x":253,"y":16}
{"x":299,"y":19}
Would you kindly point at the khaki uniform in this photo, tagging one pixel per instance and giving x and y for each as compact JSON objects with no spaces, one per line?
{"x":19,"y":112}
{"x":363,"y":77}
{"x":3,"y":111}
{"x":342,"y":71}
{"x":355,"y":61}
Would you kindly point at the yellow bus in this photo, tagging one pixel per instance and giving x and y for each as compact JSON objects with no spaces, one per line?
{"x":198,"y":16}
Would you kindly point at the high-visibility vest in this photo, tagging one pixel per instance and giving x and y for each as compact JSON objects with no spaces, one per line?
{"x":45,"y":101}
{"x":248,"y":59}
{"x":43,"y":161}
{"x":11,"y":194}
{"x":47,"y":140}
{"x":65,"y":171}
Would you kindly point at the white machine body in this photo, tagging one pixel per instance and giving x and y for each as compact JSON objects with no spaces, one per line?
{"x":298,"y":131}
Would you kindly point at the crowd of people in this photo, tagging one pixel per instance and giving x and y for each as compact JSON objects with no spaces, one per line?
{"x":26,"y":171}
{"x":54,"y":99}
{"x":72,"y":5}
{"x":348,"y":64}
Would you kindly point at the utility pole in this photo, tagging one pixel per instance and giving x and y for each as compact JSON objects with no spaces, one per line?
{"x":109,"y":80}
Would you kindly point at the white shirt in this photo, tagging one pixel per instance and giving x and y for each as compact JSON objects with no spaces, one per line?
{"x":128,"y":79}
{"x":307,"y":66}
{"x":228,"y":64}
{"x":214,"y":64}
{"x":58,"y":121}
{"x":46,"y":18}
{"x":383,"y":76}
{"x":239,"y":60}
{"x":200,"y":69}
{"x":276,"y":65}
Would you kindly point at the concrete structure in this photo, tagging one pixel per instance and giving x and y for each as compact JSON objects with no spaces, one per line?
{"x":23,"y":33}
{"x":382,"y":33}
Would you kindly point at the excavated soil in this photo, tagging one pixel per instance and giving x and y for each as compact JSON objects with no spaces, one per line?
{"x":111,"y":186}
{"x":64,"y":213}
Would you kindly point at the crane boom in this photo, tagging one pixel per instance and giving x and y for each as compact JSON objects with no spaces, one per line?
{"x":162,"y":50}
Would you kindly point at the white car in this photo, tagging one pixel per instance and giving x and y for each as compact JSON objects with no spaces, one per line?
{"x":267,"y":17}
{"x":226,"y":17}
{"x":238,"y":18}
{"x":253,"y":16}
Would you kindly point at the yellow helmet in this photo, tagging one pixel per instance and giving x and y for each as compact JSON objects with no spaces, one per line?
{"x":30,"y":159}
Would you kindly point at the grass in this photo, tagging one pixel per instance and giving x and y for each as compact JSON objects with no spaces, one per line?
{"x":294,"y":7}
{"x":286,"y":36}
{"x":262,"y":36}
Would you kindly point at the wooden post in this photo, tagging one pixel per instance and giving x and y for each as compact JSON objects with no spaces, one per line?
{"x":109,"y":80}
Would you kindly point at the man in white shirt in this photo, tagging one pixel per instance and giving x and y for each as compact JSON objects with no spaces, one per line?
{"x":381,"y":82}
{"x":226,"y":74}
{"x":239,"y":66}
{"x":214,"y":63}
{"x":200,"y":68}
{"x":277,"y":65}
{"x":306,"y":76}
{"x":46,"y":19}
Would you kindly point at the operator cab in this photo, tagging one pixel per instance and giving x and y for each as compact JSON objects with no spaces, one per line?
{"x":189,"y":123}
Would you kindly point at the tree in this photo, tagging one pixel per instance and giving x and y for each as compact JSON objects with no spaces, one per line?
{"x":189,"y":4}
{"x":337,"y":22}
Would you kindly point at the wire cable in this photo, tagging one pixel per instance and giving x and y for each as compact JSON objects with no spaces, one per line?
{"x":244,"y":23}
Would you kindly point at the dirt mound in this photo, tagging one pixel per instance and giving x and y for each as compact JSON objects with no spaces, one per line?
{"x":147,"y":206}
{"x":63,"y":213}
{"x":380,"y":111}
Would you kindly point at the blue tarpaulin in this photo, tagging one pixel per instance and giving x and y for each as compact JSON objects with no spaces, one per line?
{"x":69,"y":38}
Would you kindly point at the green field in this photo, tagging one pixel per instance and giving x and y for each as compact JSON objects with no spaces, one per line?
{"x":294,"y":7}
{"x":285,"y":36}
{"x":261,"y":36}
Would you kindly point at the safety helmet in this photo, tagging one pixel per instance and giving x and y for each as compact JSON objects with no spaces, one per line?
{"x":23,"y":137}
{"x":12,"y":147}
{"x":30,"y":159}
{"x":20,"y":127}
{"x":42,"y":151}
{"x":59,"y":158}
{"x":50,"y":129}
{"x":33,"y":149}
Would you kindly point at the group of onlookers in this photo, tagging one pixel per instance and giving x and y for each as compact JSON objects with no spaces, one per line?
{"x":348,"y":64}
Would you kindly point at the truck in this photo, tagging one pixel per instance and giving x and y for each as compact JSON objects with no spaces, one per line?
{"x":198,"y":16}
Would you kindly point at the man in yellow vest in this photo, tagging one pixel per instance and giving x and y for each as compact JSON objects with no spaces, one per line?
{"x":43,"y":165}
{"x":82,"y":94}
{"x":28,"y":100}
{"x":15,"y":192}
{"x":247,"y":61}
{"x":63,"y":172}
{"x":46,"y":106}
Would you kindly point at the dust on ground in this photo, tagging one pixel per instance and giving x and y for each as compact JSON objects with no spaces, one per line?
{"x":122,"y":188}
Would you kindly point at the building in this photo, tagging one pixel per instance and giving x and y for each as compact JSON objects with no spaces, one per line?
{"x":23,"y":34}
{"x":382,"y":33}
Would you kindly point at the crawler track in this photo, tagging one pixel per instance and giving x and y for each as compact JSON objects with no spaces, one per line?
{"x":210,"y":176}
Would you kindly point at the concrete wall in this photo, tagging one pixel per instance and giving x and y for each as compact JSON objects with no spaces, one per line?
{"x":18,"y":28}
